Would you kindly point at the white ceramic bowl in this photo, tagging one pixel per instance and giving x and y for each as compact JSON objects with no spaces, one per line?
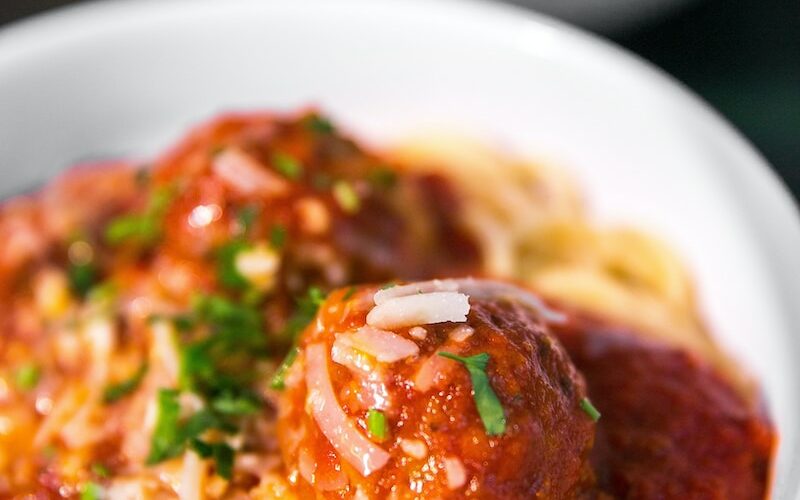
{"x":126,"y":78}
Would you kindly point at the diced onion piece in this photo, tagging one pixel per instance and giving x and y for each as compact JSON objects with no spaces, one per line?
{"x":324,"y":480}
{"x":461,"y":333}
{"x":164,"y":350}
{"x":414,"y":448}
{"x":382,"y":296}
{"x":357,"y":361}
{"x":51,"y":293}
{"x":455,"y":472}
{"x":306,"y":465}
{"x":192,"y":474}
{"x":418,"y":333}
{"x":247,"y":176}
{"x":434,"y":370}
{"x":100,"y":334}
{"x":259,"y":265}
{"x":331,"y":480}
{"x":314,"y":216}
{"x":386,"y":347}
{"x":342,"y":433}
{"x":422,"y":309}
{"x":126,"y":489}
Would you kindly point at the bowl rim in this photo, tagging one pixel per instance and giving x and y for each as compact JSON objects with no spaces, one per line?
{"x":766,"y":192}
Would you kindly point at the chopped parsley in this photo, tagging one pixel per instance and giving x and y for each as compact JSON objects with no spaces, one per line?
{"x":237,"y":404}
{"x":277,"y":236}
{"x":100,"y":470}
{"x":303,"y":315}
{"x":382,"y":177}
{"x":172,"y":434}
{"x":346,"y":197}
{"x":166,"y":440}
{"x":287,"y":166}
{"x":349,"y":293}
{"x":27,"y":376}
{"x":118,"y":391}
{"x":220,"y":341}
{"x":489,"y":407}
{"x":589,"y":409}
{"x":145,"y":228}
{"x":227,"y":273}
{"x":222,"y":454}
{"x":319,"y":124}
{"x":246,"y":217}
{"x":376,"y":424}
{"x":278,"y":381}
{"x":233,"y":339}
{"x":91,"y":491}
{"x":81,"y":278}
{"x":306,"y":310}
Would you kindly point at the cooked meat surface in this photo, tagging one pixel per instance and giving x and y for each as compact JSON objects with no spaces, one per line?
{"x":439,"y":437}
{"x":185,"y":276}
{"x":671,"y":426}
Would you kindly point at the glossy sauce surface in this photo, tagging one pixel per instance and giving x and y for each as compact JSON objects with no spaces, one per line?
{"x":671,"y":426}
{"x":542,"y":454}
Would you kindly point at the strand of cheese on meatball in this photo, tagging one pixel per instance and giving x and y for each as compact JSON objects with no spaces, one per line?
{"x":409,"y":305}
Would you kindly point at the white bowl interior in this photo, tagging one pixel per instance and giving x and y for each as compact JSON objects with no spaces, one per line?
{"x":127,"y":78}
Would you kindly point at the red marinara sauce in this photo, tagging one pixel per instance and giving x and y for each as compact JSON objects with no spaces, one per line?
{"x":435,"y":444}
{"x":672,"y":427}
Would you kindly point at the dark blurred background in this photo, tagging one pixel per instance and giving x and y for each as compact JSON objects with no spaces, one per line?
{"x":742,"y":56}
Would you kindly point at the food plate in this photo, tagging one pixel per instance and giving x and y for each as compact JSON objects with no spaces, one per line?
{"x":125,"y":79}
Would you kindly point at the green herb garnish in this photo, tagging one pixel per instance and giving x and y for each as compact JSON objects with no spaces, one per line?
{"x":246,"y":217}
{"x":233,"y":404}
{"x":382,"y":178}
{"x":303,"y":315}
{"x":172,"y":434}
{"x":489,"y":407}
{"x":91,"y":491}
{"x":349,"y":293}
{"x":227,"y":273}
{"x":376,"y":424}
{"x":346,"y":197}
{"x":118,"y":391}
{"x":287,"y":166}
{"x":27,"y":376}
{"x":81,"y":278}
{"x":100,"y":470}
{"x":306,"y":310}
{"x":277,"y":236}
{"x":220,"y":342}
{"x":166,"y":440}
{"x":278,"y":381}
{"x":222,"y":454}
{"x":590,"y":410}
{"x":217,"y":362}
{"x":145,"y":228}
{"x":319,"y":124}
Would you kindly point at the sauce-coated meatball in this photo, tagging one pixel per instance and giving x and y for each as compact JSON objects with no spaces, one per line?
{"x":672,"y":426}
{"x":372,"y":409}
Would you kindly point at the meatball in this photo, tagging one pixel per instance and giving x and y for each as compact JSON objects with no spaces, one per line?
{"x":672,"y":426}
{"x":332,"y":212}
{"x":439,"y":389}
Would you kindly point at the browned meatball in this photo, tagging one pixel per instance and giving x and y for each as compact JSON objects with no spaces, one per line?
{"x":373,"y":410}
{"x":672,"y":426}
